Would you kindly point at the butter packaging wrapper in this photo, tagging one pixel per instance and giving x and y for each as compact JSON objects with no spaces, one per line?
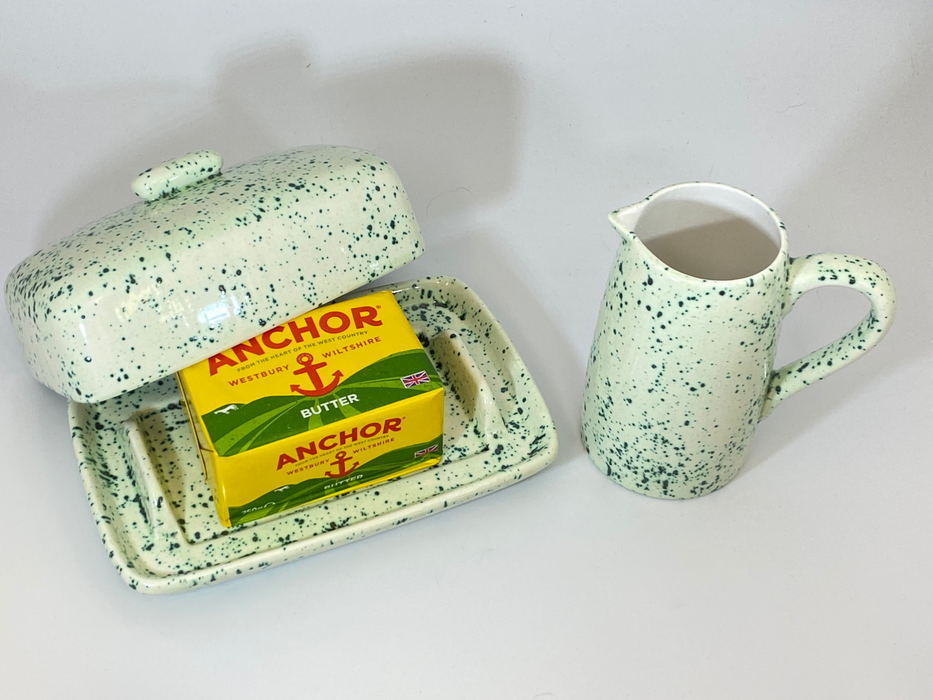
{"x":340,"y":398}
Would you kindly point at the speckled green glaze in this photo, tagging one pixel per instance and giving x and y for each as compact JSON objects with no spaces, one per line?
{"x":681,"y":368}
{"x":177,"y":174}
{"x":153,"y":508}
{"x":209,"y":261}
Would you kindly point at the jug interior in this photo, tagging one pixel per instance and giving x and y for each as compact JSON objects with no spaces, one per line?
{"x":709,"y":231}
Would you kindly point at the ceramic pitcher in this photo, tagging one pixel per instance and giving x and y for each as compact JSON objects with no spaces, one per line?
{"x":681,"y":367}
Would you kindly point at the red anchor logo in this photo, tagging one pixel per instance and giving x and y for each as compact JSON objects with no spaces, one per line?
{"x":340,"y":461}
{"x":308,"y":366}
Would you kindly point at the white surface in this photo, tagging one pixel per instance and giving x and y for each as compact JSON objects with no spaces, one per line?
{"x":516,"y":128}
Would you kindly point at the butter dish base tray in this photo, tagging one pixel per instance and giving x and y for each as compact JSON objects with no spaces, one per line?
{"x":140,"y":467}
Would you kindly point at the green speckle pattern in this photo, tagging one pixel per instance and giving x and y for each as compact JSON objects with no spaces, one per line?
{"x":139,"y":464}
{"x":681,"y":368}
{"x":164,"y":284}
{"x":823,"y":270}
{"x":177,"y":174}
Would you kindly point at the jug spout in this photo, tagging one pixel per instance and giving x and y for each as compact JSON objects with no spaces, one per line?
{"x":625,"y":220}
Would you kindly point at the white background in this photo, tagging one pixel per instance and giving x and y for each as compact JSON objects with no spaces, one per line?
{"x":516,"y":127}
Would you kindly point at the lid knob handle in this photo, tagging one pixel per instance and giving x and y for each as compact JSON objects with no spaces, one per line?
{"x":177,"y":174}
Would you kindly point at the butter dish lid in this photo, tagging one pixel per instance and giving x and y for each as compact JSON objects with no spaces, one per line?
{"x":207,"y":261}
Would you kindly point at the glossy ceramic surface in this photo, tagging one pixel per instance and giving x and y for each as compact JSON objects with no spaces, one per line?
{"x":152,"y":506}
{"x":681,"y":367}
{"x":206,"y":262}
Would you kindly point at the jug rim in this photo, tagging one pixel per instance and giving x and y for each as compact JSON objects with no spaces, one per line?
{"x":777,"y":262}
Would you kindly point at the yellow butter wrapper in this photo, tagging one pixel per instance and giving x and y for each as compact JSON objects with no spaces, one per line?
{"x":340,"y":398}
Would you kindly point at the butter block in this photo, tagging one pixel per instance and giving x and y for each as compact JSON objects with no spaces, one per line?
{"x":335,"y":400}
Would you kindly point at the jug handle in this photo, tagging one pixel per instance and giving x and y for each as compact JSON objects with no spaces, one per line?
{"x":823,"y":270}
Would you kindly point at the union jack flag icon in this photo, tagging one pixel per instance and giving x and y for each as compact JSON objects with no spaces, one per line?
{"x":416,"y":378}
{"x":422,"y":453}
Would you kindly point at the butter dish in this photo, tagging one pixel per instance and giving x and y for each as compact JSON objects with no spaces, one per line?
{"x":139,"y":464}
{"x":211,"y":258}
